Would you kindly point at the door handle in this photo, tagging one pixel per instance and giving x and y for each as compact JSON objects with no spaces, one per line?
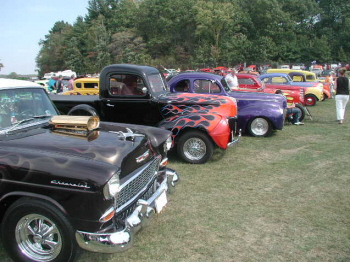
{"x":109,"y":105}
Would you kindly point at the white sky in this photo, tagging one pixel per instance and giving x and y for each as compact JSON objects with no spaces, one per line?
{"x":23,"y":23}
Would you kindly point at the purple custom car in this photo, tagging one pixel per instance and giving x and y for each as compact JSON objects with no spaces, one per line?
{"x":258,"y":113}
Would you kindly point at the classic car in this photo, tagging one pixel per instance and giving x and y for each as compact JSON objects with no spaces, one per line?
{"x":84,"y":86}
{"x":300,"y":78}
{"x":252,"y":83}
{"x":138,"y":94}
{"x":258,"y":113}
{"x":313,"y":91}
{"x":72,"y":182}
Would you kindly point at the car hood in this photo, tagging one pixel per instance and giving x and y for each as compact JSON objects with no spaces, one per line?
{"x":52,"y":155}
{"x":256,"y":96}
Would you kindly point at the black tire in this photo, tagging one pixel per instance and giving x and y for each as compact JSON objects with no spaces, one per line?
{"x":259,"y":127}
{"x":82,"y":110}
{"x":310,"y":100}
{"x":195,"y":147}
{"x":302,"y":111}
{"x":25,"y":230}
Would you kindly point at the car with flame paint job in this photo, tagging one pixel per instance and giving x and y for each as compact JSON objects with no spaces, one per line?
{"x":139,"y":94}
{"x":258,"y":113}
{"x":69,"y":183}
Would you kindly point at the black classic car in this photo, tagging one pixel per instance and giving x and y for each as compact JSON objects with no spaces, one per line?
{"x":69,"y":183}
{"x":138,"y":94}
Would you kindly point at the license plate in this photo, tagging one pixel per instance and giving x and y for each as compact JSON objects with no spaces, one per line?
{"x":161,"y":202}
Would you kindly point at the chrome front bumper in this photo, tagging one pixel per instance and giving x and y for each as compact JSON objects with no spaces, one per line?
{"x":121,"y":240}
{"x":234,"y":128}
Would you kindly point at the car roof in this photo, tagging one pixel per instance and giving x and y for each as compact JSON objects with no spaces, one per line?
{"x":274,"y":75}
{"x":6,"y":83}
{"x":194,"y":75}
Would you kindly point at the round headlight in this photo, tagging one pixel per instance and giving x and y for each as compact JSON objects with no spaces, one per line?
{"x":168,"y":143}
{"x":112,"y":188}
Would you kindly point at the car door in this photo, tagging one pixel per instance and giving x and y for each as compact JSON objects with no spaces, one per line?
{"x":129,"y":101}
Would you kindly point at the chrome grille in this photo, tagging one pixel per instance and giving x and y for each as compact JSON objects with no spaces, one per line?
{"x":127,"y":211}
{"x":132,"y":189}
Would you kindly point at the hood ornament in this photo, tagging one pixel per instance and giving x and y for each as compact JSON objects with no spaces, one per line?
{"x":128,"y":135}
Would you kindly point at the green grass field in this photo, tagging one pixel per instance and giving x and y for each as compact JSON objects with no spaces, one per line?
{"x":281,"y":198}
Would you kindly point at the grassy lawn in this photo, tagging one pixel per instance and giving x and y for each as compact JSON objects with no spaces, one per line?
{"x":281,"y":198}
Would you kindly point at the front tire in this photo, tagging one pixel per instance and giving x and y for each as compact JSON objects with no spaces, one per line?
{"x":259,"y":127}
{"x":310,"y":100}
{"x":35,"y":230}
{"x":195,"y":147}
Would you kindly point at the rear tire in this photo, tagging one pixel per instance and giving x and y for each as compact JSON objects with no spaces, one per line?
{"x":195,"y":147}
{"x":36,"y":231}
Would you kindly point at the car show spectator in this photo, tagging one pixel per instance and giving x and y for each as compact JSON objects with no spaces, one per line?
{"x":51,"y":84}
{"x":59,"y":85}
{"x":70,"y":83}
{"x":231,"y":79}
{"x":292,"y":111}
{"x":330,"y":79}
{"x":341,"y":95}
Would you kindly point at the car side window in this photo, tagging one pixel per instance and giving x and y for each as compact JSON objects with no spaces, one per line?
{"x":125,"y":85}
{"x":206,"y":87}
{"x":279,"y":80}
{"x":90,"y":85}
{"x":182,"y":86}
{"x":246,"y":81}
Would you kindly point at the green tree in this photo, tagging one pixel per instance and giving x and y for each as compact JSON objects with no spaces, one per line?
{"x":51,"y":55}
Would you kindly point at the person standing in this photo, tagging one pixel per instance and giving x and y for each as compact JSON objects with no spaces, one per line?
{"x":341,"y":95}
{"x":59,"y":85}
{"x":51,"y":84}
{"x":70,"y":83}
{"x":330,"y":81}
{"x":232,"y":79}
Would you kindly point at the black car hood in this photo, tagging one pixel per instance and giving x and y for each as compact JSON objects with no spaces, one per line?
{"x":42,"y":150}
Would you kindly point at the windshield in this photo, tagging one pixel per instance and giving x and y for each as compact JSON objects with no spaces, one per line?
{"x":157,"y":83}
{"x":225,"y":85}
{"x":24,"y":106}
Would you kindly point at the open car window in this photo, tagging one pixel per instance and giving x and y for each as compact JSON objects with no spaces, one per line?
{"x":206,"y":87}
{"x":125,"y":85}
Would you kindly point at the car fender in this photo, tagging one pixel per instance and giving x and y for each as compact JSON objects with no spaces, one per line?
{"x":272,"y":112}
{"x":7,"y":199}
{"x":215,"y":125}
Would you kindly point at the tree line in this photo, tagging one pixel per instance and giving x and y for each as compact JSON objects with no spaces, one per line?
{"x":192,"y":34}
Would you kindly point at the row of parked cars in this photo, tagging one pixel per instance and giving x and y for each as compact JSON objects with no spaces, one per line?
{"x":89,"y":171}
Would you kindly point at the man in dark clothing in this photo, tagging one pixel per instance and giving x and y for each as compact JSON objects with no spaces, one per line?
{"x":341,"y":95}
{"x":59,"y":85}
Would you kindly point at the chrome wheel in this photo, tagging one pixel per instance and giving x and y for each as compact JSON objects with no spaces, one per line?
{"x":259,"y":127}
{"x":38,"y":238}
{"x":194,"y":148}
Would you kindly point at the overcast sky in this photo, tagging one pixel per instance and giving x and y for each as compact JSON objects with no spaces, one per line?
{"x":24,"y":23}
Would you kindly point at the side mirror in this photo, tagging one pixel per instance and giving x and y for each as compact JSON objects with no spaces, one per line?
{"x":144,"y":90}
